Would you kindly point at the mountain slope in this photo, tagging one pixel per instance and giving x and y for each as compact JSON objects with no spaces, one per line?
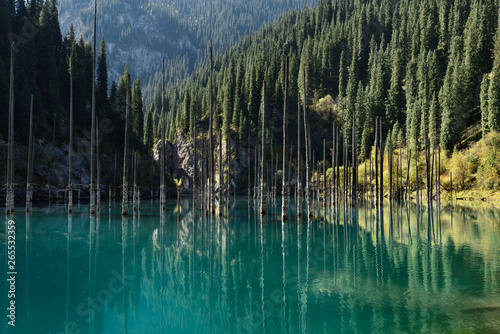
{"x":142,"y":32}
{"x":429,"y":69}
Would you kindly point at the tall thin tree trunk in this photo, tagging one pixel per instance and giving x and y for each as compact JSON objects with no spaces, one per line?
{"x":451,"y":189}
{"x":275,"y":188}
{"x":70,"y":149}
{"x":324,"y":172}
{"x":299,"y":162}
{"x":195,"y":169}
{"x":427,"y":164}
{"x":92,"y":132}
{"x":9,"y":198}
{"x":407,"y":191}
{"x":134,"y":192}
{"x":125,"y":153}
{"x":381,"y":163}
{"x":221,"y":177}
{"x":307,"y":145}
{"x":98,"y":184}
{"x":284,"y":204}
{"x":211,"y":138}
{"x":376,"y":163}
{"x":333,"y":169}
{"x":162,"y":152}
{"x":114,"y":176}
{"x":337,"y":182}
{"x":248,"y":167}
{"x":256,"y":169}
{"x":228,"y":171}
{"x":29,"y":178}
{"x":438,"y":185}
{"x":263,"y":160}
{"x":389,"y":161}
{"x":354,"y":163}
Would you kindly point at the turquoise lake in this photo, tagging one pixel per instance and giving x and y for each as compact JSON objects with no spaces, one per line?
{"x":399,"y":270}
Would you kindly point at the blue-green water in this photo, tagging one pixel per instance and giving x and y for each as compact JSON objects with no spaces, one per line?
{"x":396,"y":271}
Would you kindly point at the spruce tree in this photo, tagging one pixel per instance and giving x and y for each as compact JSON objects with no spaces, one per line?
{"x":228,"y":100}
{"x":494,"y":88}
{"x":485,"y":85}
{"x":102,"y":75}
{"x":396,"y":98}
{"x":185,"y":110}
{"x":343,"y":76}
{"x":137,"y":111}
{"x":148,"y":131}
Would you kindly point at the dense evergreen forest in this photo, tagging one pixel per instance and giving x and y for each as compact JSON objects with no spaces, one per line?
{"x":429,"y":69}
{"x":44,"y":62}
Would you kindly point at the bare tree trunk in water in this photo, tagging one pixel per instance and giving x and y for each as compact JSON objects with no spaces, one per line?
{"x":125,"y":154}
{"x":29,"y":178}
{"x":262,"y":160}
{"x":284,"y":204}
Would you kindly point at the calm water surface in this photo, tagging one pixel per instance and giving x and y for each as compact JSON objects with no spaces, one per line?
{"x":396,"y":271}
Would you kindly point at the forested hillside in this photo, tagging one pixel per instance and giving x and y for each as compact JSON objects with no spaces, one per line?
{"x":430,"y":69}
{"x":141,"y":32}
{"x":43,"y":63}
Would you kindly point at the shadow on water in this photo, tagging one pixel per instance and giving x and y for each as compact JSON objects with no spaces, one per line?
{"x":387,"y":270}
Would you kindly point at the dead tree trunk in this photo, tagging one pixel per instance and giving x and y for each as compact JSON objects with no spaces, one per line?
{"x":9,"y":205}
{"x":284,"y":204}
{"x":262,"y":160}
{"x":299,"y":165}
{"x":324,"y":172}
{"x":354,"y":163}
{"x":125,"y":153}
{"x":92,"y":132}
{"x":211,"y":139}
{"x":162,"y":152}
{"x":98,"y":184}
{"x":221,"y":178}
{"x":134,"y":193}
{"x":29,"y":177}
{"x":195,"y":169}
{"x":70,"y":148}
{"x":332,"y":196}
{"x":381,"y":163}
{"x":307,"y":145}
{"x":376,"y":163}
{"x":114,"y":178}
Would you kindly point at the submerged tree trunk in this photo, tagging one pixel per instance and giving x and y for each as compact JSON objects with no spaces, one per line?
{"x":211,"y":173}
{"x":29,"y":177}
{"x":70,"y":148}
{"x":221,"y":177}
{"x":98,"y":184}
{"x":114,"y":177}
{"x":262,"y":160}
{"x":381,"y":163}
{"x":284,"y":205}
{"x":92,"y":132}
{"x":125,"y":154}
{"x":9,"y":205}
{"x":162,"y":152}
{"x":195,"y":169}
{"x":332,"y":195}
{"x":307,"y":146}
{"x":299,"y":166}
{"x":377,"y":200}
{"x":354,"y":163}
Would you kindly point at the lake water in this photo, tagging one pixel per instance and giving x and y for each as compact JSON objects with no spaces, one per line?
{"x":398,"y":270}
